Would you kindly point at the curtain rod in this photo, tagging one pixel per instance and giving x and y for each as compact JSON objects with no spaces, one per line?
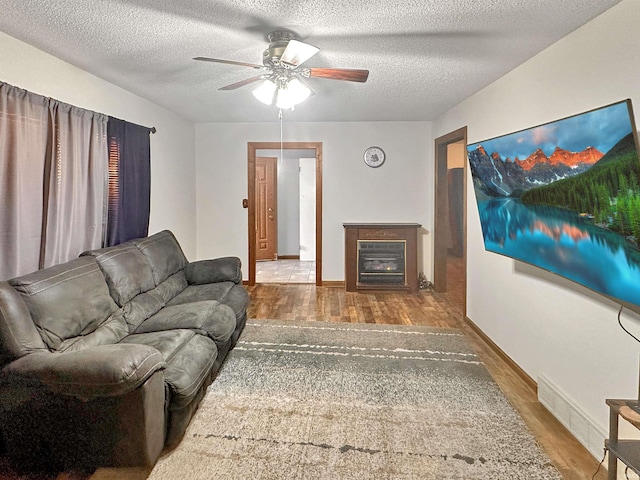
{"x":151,"y":129}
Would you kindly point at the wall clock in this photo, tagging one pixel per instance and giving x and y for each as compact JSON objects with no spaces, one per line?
{"x":374,"y":156}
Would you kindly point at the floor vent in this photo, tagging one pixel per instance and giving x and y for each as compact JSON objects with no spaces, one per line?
{"x":572,"y":417}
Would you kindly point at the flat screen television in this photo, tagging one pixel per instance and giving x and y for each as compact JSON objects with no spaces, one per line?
{"x":565,"y":196}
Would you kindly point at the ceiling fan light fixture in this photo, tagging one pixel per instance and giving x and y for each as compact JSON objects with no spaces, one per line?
{"x":282,"y":73}
{"x":291,"y":94}
{"x":265,"y":92}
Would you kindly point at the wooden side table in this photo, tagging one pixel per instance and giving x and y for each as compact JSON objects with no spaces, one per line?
{"x":627,"y":451}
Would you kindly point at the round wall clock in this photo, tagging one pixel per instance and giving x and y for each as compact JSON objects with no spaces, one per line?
{"x":374,"y":156}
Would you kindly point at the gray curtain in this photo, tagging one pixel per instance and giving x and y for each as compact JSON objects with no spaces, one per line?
{"x":23,"y":145}
{"x":53,"y":176}
{"x":75,"y":193}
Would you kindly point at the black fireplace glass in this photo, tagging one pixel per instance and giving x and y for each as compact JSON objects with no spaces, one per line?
{"x":381,"y":262}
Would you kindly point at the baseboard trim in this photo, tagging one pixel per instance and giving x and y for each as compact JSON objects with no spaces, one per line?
{"x":288,"y":257}
{"x":333,"y":283}
{"x":506,"y":358}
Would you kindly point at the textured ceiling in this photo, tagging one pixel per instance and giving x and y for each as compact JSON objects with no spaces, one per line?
{"x":424,"y":56}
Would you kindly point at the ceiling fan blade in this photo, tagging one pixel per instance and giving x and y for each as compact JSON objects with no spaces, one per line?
{"x":297,"y":53}
{"x":241,"y":83}
{"x":230,"y":62}
{"x":351,"y":75}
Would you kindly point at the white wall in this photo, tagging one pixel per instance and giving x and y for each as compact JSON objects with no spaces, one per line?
{"x":399,"y":191}
{"x":288,"y":206}
{"x":307,"y":209}
{"x":550,"y":326}
{"x":172,"y":147}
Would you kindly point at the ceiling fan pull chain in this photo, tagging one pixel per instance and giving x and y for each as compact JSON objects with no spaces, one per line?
{"x":280,"y":116}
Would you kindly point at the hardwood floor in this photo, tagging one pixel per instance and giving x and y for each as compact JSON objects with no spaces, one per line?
{"x":332,"y":304}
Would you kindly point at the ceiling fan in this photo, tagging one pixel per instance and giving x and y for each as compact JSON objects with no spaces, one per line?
{"x":282,"y":71}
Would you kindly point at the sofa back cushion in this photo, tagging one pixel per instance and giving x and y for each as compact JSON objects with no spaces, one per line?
{"x":126,"y":270}
{"x":66,"y":300}
{"x":163,"y":254}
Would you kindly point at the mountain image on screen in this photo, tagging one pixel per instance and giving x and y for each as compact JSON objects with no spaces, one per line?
{"x":500,"y":178}
{"x":565,"y":196}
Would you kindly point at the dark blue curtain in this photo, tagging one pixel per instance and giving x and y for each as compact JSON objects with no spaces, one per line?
{"x":129,"y":181}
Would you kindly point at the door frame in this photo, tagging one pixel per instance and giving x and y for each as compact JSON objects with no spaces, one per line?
{"x":252,"y":147}
{"x":442,"y":212}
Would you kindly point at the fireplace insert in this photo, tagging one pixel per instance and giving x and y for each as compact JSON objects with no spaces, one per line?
{"x":381,"y":262}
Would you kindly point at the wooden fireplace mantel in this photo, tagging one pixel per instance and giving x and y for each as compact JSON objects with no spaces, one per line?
{"x":407,"y":232}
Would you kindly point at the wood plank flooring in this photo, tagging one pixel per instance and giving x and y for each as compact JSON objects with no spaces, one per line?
{"x":332,"y":304}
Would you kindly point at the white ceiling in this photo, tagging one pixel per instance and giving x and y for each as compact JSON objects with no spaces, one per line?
{"x":424,"y":56}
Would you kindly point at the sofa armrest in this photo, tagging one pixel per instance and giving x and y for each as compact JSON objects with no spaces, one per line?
{"x":224,"y":269}
{"x":102,"y":371}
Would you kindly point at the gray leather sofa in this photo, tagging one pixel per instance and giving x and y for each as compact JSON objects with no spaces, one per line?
{"x":104,"y":359}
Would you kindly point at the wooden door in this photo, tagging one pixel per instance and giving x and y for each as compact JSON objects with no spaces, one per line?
{"x":266,"y":208}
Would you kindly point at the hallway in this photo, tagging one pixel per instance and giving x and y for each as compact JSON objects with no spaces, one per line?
{"x":286,"y":271}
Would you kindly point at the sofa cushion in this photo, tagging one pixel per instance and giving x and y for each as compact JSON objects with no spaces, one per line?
{"x":163,"y":253}
{"x":111,"y":331}
{"x":228,"y":293}
{"x":142,"y":307}
{"x":172,"y":286}
{"x":66,"y":300}
{"x":189,"y":358}
{"x":126,"y":270}
{"x":149,"y":303}
{"x":207,"y":317}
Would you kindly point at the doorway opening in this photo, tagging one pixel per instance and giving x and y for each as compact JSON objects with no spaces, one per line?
{"x":271,"y":229}
{"x":450,"y":231}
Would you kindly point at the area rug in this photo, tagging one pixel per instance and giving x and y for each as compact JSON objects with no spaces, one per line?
{"x":354,"y":401}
